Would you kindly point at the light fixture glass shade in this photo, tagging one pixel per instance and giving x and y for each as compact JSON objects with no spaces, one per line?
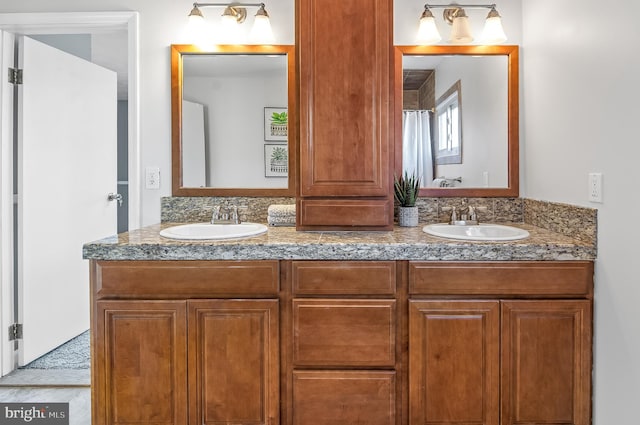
{"x":196,"y":27}
{"x":493,"y":32}
{"x":196,"y":18}
{"x":461,"y":30}
{"x":261,"y":31}
{"x":428,"y":31}
{"x":229,"y":29}
{"x":229,"y":16}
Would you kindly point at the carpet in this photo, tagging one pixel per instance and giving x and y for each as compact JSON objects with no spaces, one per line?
{"x":73,"y":354}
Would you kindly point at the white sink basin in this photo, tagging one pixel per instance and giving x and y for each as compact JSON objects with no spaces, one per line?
{"x":207,"y":231}
{"x":478,"y":232}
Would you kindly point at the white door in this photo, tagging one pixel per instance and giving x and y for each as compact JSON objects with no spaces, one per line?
{"x":66,"y":169}
{"x":193,"y":145}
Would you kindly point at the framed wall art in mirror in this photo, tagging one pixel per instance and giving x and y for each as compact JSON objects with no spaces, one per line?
{"x":431,"y":83}
{"x":276,"y":124}
{"x":224,"y":118}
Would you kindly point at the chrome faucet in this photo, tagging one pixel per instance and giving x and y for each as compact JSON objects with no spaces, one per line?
{"x":466,"y":216}
{"x":228,"y":215}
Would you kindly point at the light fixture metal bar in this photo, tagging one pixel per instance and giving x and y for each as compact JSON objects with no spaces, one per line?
{"x":228,"y":4}
{"x":459,"y":6}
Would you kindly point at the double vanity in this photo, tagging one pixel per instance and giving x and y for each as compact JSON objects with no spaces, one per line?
{"x":290,"y":327}
{"x":345,"y":319}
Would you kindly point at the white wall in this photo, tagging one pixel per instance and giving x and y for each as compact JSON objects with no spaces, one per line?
{"x":162,"y":23}
{"x":581,"y":114}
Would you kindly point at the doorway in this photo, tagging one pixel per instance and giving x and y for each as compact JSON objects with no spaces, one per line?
{"x":74,"y":23}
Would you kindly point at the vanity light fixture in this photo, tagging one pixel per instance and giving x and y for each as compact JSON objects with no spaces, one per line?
{"x":455,"y":15}
{"x":235,"y":14}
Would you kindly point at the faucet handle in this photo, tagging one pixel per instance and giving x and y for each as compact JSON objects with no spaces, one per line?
{"x":234,"y":214}
{"x":471,"y":211}
{"x":454,"y":213}
{"x":215,"y":214}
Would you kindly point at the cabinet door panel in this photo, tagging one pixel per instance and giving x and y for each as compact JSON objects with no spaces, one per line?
{"x":233,"y":361}
{"x":546,"y":362}
{"x":454,"y":362}
{"x":344,"y":332}
{"x":345,"y":97}
{"x":344,"y":397}
{"x":140,"y":364}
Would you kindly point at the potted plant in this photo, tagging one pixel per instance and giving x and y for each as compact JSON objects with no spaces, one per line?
{"x":405,"y":191}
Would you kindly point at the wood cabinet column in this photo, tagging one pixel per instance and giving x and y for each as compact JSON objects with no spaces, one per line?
{"x":346,"y":125}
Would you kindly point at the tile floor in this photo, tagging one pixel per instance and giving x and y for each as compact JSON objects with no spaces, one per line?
{"x":51,"y":386}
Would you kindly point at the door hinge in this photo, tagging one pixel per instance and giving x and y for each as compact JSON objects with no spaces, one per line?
{"x":15,"y":331}
{"x":15,"y":76}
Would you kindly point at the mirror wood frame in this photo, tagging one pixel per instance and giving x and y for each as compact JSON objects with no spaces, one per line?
{"x":177,"y":52}
{"x":513,"y":172}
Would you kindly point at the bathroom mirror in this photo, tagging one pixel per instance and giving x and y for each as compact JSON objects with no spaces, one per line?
{"x":483,"y":125}
{"x":233,"y":120}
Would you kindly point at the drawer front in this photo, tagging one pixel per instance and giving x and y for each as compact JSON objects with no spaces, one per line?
{"x":183,"y":279}
{"x":345,"y":214}
{"x":344,"y":397}
{"x":344,"y":277}
{"x":344,"y":332}
{"x":518,"y":278}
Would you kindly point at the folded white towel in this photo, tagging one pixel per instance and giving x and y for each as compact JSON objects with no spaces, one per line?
{"x":281,"y":221}
{"x":281,"y":210}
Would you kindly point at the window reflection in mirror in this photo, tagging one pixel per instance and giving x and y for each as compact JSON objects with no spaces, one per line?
{"x":469,"y":150}
{"x":448,"y":127}
{"x":231,"y":109}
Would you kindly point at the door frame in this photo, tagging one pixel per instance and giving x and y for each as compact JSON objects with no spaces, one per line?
{"x":7,"y":354}
{"x":69,"y":23}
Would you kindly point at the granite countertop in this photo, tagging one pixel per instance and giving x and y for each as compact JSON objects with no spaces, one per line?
{"x":285,"y":243}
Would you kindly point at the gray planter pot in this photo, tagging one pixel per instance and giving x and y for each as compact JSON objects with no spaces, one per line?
{"x":408,"y":216}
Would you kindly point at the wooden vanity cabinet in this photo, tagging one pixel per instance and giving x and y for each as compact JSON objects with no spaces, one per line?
{"x":341,"y":342}
{"x":175,"y":346}
{"x":346,"y":130}
{"x":344,"y":336}
{"x":516,"y":349}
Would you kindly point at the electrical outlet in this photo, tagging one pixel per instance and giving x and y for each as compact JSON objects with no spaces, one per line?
{"x":152,"y":177}
{"x":595,"y":187}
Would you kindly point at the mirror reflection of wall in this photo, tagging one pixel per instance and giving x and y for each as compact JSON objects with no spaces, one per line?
{"x":234,"y":91}
{"x":483,"y":91}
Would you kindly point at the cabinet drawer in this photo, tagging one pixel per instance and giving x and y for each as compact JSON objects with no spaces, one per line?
{"x":183,"y":279}
{"x":344,"y":397}
{"x":521,"y":278}
{"x":344,"y":278}
{"x":344,"y":332}
{"x":345,"y":214}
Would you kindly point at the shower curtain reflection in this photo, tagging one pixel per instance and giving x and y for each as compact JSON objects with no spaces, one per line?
{"x":417,"y":156}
